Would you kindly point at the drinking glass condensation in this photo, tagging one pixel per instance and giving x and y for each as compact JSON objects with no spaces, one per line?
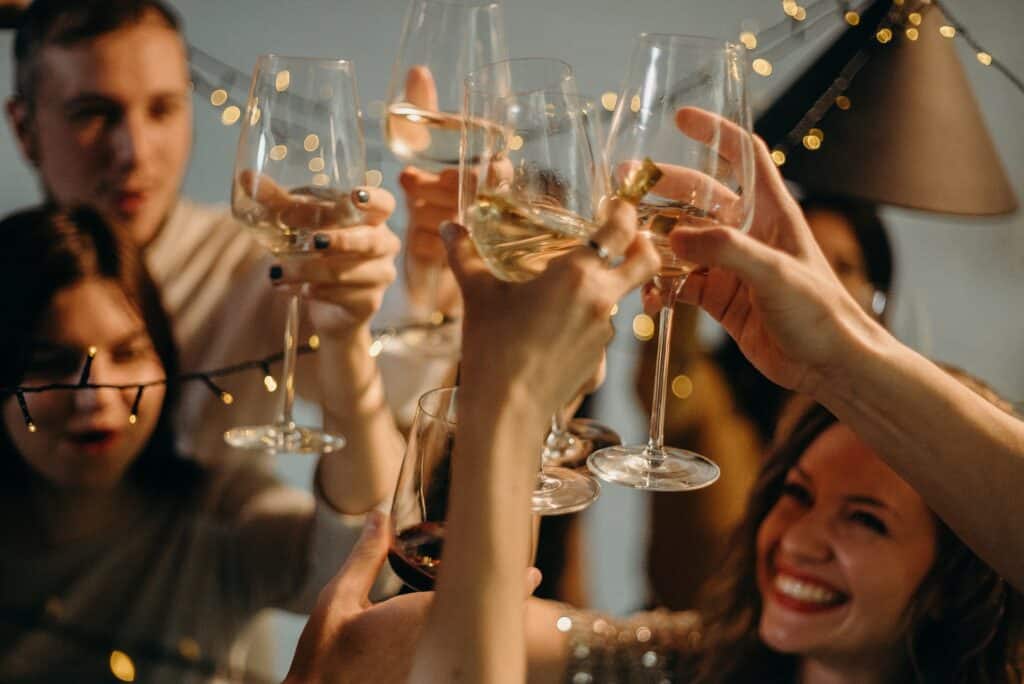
{"x":300,"y":155}
{"x":704,"y":180}
{"x":420,"y":505}
{"x":441,"y":42}
{"x":531,"y":180}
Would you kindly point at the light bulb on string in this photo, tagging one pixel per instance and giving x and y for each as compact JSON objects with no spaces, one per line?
{"x":133,"y":417}
{"x":268,"y":380}
{"x":24,"y":412}
{"x":87,"y":368}
{"x":221,"y":394}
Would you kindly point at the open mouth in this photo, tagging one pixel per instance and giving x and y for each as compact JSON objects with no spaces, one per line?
{"x":804,"y":594}
{"x":93,"y":441}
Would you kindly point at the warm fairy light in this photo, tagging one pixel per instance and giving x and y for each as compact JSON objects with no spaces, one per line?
{"x":608,"y":101}
{"x":122,"y":666}
{"x":31,"y":426}
{"x":643,"y":634}
{"x":230,"y":115}
{"x":985,"y":58}
{"x":437,"y":317}
{"x":947,"y":31}
{"x":852,"y":18}
{"x":682,"y":386}
{"x":278,"y":152}
{"x":564,"y":623}
{"x":843,"y":102}
{"x":762,"y":67}
{"x":270,"y":383}
{"x":227,"y":398}
{"x":615,"y":310}
{"x":218,"y":97}
{"x":817,"y":133}
{"x":779,"y":157}
{"x":515,"y":143}
{"x":254,"y":118}
{"x":790,"y":7}
{"x":92,"y":352}
{"x":912,"y":33}
{"x":282,"y":80}
{"x":884,"y":35}
{"x":811,"y":142}
{"x":132,"y":419}
{"x":914,"y":18}
{"x":316,"y":164}
{"x":643,"y":327}
{"x":311,"y":143}
{"x":748,"y":39}
{"x":188,"y":648}
{"x":314,"y":341}
{"x":321,"y":180}
{"x":634,"y":103}
{"x":374,"y":178}
{"x":801,"y":13}
{"x":376,"y":348}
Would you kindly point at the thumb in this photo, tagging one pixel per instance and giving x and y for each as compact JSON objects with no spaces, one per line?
{"x":465,"y":262}
{"x":752,"y":261}
{"x":420,"y":89}
{"x":360,"y":570}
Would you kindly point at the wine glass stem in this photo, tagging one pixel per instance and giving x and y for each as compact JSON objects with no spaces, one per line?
{"x":432,"y":278}
{"x":291,"y":339}
{"x":559,"y":440}
{"x":656,"y":441}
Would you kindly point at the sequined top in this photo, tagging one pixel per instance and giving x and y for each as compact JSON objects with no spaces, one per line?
{"x":644,"y":648}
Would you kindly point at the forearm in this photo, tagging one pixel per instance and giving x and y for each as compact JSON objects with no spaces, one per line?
{"x":361,"y":475}
{"x":961,"y":453}
{"x":475,"y":631}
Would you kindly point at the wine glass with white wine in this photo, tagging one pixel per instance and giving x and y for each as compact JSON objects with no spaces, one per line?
{"x":704,"y":180}
{"x":441,"y":42}
{"x":531,"y":182}
{"x":300,"y":155}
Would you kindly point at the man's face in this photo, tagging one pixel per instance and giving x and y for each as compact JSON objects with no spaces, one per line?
{"x":111,"y":124}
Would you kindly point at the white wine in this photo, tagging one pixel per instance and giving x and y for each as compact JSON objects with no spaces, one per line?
{"x":657,"y":219}
{"x":518,"y":241}
{"x":426,"y":138}
{"x":286,"y":222}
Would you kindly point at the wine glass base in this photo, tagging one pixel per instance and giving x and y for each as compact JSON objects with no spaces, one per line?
{"x":283,"y":439}
{"x":678,"y":470}
{"x":590,"y":436}
{"x":560,"y":491}
{"x":436,"y":341}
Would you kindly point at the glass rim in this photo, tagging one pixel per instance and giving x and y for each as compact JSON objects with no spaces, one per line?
{"x":469,"y":4}
{"x":431,"y":393}
{"x":334,"y":61}
{"x":655,"y":36}
{"x":470,"y":84}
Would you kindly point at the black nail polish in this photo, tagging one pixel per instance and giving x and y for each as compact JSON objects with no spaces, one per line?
{"x":276,"y":272}
{"x":321,"y":241}
{"x":361,"y":196}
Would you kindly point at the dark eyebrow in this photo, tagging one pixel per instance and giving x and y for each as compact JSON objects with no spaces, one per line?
{"x":49,"y":345}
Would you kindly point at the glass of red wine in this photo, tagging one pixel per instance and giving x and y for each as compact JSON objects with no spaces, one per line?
{"x":420,"y":506}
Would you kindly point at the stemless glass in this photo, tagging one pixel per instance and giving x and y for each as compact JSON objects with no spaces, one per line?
{"x":530,"y":183}
{"x":442,"y":41}
{"x":420,"y":505}
{"x":300,"y":155}
{"x":703,"y":182}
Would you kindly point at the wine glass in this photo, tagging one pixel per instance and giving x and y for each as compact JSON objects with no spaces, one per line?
{"x":420,"y":505}
{"x":300,"y":155}
{"x":704,"y":184}
{"x":442,"y":41}
{"x":530,"y":183}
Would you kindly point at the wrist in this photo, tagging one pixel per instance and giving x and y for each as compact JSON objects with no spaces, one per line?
{"x":866,"y":348}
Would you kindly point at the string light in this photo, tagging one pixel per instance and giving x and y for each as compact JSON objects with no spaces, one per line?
{"x":314,"y":341}
{"x":311,"y":143}
{"x":682,"y":386}
{"x":608,"y":101}
{"x":852,"y":18}
{"x":843,"y":102}
{"x":914,"y":18}
{"x":912,"y":33}
{"x":748,"y":39}
{"x":762,"y":67}
{"x":282,"y":80}
{"x":643,"y":327}
{"x":133,"y":417}
{"x":121,"y":666}
{"x":278,"y":152}
{"x":801,"y":13}
{"x":221,"y":394}
{"x":230,"y":115}
{"x":779,"y":157}
{"x":985,"y":58}
{"x":87,"y":368}
{"x":24,"y":412}
{"x":884,"y":35}
{"x":218,"y":97}
{"x":316,"y":164}
{"x":268,"y":380}
{"x":947,"y":31}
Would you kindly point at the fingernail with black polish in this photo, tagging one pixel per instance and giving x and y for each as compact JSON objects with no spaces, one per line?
{"x":361,"y":196}
{"x":321,"y":241}
{"x":276,"y":272}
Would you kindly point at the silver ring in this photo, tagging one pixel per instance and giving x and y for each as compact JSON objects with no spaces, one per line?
{"x":601,"y":252}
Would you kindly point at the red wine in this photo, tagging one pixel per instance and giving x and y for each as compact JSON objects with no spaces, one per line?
{"x":415,"y":554}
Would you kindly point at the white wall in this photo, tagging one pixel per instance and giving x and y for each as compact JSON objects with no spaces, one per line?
{"x":960,"y":288}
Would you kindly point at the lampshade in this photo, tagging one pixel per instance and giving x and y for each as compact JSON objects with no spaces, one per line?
{"x":912,"y":134}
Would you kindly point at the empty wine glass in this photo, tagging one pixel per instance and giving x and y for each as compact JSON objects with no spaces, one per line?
{"x":300,"y":155}
{"x":441,"y":42}
{"x":700,"y":181}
